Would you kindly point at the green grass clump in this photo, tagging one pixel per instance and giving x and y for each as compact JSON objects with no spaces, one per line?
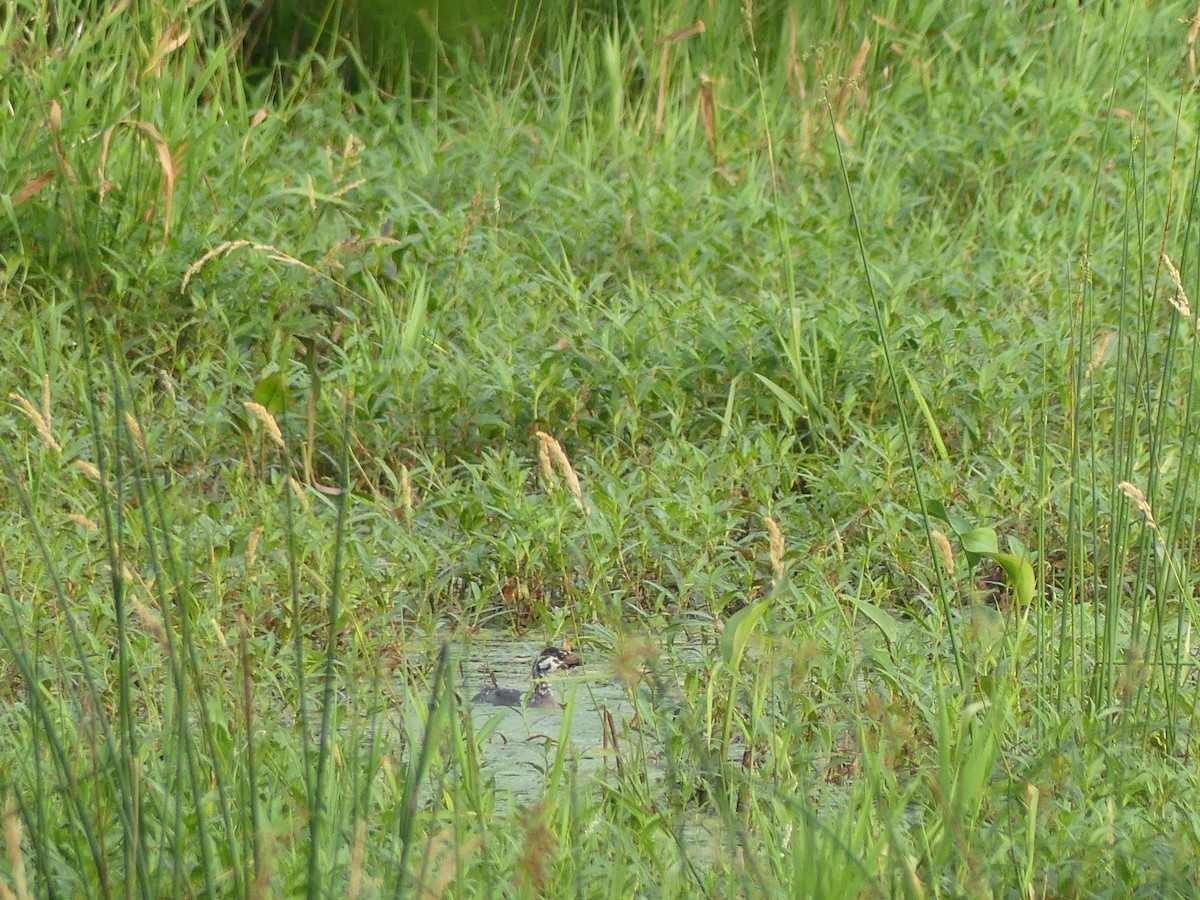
{"x":829,"y":380}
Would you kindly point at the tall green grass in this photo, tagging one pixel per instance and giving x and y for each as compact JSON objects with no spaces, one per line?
{"x":859,"y":351}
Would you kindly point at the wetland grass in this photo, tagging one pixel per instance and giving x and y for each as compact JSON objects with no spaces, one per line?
{"x":828,"y":380}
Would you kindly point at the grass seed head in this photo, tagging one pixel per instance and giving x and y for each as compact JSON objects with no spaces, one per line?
{"x":539,"y":848}
{"x":1099,"y":352}
{"x":777,"y":567}
{"x":1179,"y":299}
{"x":543,"y":452}
{"x":135,"y":431}
{"x":252,"y":547}
{"x":298,"y":490}
{"x":88,"y":470}
{"x":84,"y":522}
{"x":1134,"y":493}
{"x":40,"y":421}
{"x":268,"y":421}
{"x":151,"y":621}
{"x":406,"y":493}
{"x":945,"y":551}
{"x":554,"y":452}
{"x":12,"y":843}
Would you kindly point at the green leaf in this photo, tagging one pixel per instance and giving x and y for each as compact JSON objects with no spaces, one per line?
{"x":271,"y":393}
{"x":979,"y":542}
{"x":1019,"y":574}
{"x":1016,"y":547}
{"x":880,"y":618}
{"x":936,"y":509}
{"x":414,"y":319}
{"x":789,"y":407}
{"x":929,"y":419}
{"x":959,"y":524}
{"x":737,"y":631}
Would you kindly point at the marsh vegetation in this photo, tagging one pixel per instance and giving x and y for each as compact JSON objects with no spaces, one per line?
{"x":828,"y":381}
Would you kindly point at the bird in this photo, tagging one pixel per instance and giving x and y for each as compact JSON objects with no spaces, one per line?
{"x":541,"y":697}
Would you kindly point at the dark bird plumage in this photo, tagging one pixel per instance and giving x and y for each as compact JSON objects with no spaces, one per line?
{"x":552,"y":659}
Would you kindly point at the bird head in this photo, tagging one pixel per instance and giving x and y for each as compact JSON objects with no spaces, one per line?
{"x":552,"y":659}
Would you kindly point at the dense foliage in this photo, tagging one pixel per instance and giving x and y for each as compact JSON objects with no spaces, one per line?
{"x":827,"y":379}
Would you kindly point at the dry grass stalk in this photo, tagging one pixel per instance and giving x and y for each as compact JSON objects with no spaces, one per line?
{"x":1193,"y":33}
{"x":149,"y":619}
{"x":748,"y":16}
{"x":852,"y":76}
{"x":252,"y":547}
{"x":554,"y":453}
{"x":664,"y":45}
{"x":31,"y":187}
{"x":708,"y":114}
{"x":40,"y":421}
{"x":473,"y":217}
{"x":1134,"y":493}
{"x":165,"y":163}
{"x":406,"y":493}
{"x":135,"y":431}
{"x":777,"y":567}
{"x":268,"y":421}
{"x":1098,"y":353}
{"x":298,"y":490}
{"x":46,"y":402}
{"x":1180,"y":298}
{"x":171,"y":40}
{"x":12,"y":843}
{"x":357,"y":852}
{"x":60,"y":153}
{"x":84,"y":522}
{"x":229,"y":247}
{"x":260,"y":115}
{"x":660,"y":103}
{"x":543,"y":452}
{"x":945,"y":552}
{"x":682,"y":34}
{"x":89,"y":470}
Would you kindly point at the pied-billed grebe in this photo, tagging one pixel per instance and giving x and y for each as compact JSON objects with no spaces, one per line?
{"x":541,"y":697}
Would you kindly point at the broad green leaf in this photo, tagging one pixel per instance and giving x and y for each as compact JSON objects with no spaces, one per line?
{"x":880,"y":618}
{"x":958,"y":524}
{"x":1016,"y":547}
{"x":936,"y":509}
{"x":979,"y":542}
{"x":737,"y":631}
{"x":271,"y":393}
{"x":1020,"y":576}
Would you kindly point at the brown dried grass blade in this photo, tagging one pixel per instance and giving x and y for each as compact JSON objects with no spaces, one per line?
{"x":31,"y":187}
{"x":166,"y":165}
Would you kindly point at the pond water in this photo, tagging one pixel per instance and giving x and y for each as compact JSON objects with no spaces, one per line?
{"x":520,"y":745}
